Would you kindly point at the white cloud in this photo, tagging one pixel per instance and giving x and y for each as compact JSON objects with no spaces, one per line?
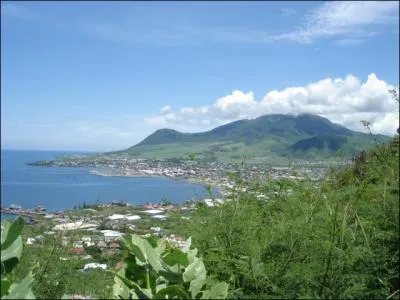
{"x":346,"y":21}
{"x":348,"y":42}
{"x":344,"y":18}
{"x":384,"y":122}
{"x":235,"y":99}
{"x":346,"y":101}
{"x":162,"y":34}
{"x":166,"y":109}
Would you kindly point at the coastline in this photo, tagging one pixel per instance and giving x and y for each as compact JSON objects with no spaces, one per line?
{"x":142,"y":174}
{"x":30,"y":217}
{"x":134,"y":174}
{"x":213,"y":185}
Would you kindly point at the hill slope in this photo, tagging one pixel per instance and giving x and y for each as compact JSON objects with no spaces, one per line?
{"x":269,"y":138}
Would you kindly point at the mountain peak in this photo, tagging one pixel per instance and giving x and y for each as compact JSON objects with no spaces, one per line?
{"x":162,"y":136}
{"x":273,"y":134}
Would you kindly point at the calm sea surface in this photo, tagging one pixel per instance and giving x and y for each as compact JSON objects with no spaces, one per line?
{"x":61,"y":188}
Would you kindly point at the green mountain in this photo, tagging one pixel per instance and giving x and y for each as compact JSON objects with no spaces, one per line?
{"x":269,"y":139}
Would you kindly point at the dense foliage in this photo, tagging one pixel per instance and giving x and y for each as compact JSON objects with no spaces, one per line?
{"x":329,"y":143}
{"x":335,"y":239}
{"x":155,"y":270}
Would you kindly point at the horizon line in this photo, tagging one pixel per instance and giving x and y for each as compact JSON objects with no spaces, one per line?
{"x":59,"y":150}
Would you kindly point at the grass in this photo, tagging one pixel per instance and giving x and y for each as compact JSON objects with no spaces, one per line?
{"x":335,"y":239}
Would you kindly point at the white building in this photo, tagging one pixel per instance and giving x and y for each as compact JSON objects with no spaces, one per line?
{"x":92,"y":266}
{"x":110,"y":235}
{"x":30,"y":241}
{"x":153,"y":211}
{"x":159,"y":216}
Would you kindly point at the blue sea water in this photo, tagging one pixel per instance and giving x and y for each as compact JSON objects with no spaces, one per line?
{"x":62,"y":188}
{"x":11,"y":217}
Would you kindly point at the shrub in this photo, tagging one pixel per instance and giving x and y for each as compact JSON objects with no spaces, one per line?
{"x":155,"y":270}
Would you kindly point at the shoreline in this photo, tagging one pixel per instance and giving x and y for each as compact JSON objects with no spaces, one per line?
{"x":30,"y":216}
{"x":146,"y":175}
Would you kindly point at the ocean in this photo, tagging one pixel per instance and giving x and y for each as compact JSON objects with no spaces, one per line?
{"x":58,"y":188}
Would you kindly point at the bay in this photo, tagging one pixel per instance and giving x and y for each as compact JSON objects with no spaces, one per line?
{"x":58,"y":188}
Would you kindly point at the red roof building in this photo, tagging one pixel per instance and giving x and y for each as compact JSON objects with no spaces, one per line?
{"x":78,"y":251}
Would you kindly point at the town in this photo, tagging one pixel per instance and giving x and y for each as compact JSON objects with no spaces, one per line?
{"x":97,"y":228}
{"x":216,"y":174}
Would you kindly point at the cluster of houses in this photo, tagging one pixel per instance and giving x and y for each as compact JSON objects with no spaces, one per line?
{"x":214,"y":172}
{"x":85,"y":232}
{"x":104,"y":230}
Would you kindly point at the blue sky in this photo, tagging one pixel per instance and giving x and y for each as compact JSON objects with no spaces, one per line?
{"x":103,"y":75}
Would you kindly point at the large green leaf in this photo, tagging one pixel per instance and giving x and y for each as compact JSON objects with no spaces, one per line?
{"x":186,"y":246}
{"x":8,"y":265}
{"x":5,"y":227}
{"x":161,"y":286}
{"x":172,"y":292}
{"x":191,"y":254}
{"x":196,"y":274}
{"x":153,"y":257}
{"x":122,"y":286}
{"x":146,"y":253}
{"x":176,"y":256}
{"x":195,"y":286}
{"x":172,"y":275}
{"x":135,"y":245}
{"x":195,"y":270}
{"x":132,"y":269}
{"x":10,"y":231}
{"x":205,"y":294}
{"x":13,"y":250}
{"x":161,"y":246}
{"x":152,"y":241}
{"x":141,"y":293}
{"x":5,"y":285}
{"x":219,"y":291}
{"x":120,"y":289}
{"x":21,"y":290}
{"x":137,"y":291}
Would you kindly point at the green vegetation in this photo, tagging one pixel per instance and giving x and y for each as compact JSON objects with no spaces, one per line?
{"x":333,"y":239}
{"x":155,"y":270}
{"x":267,"y":139}
{"x":320,"y":142}
{"x":11,"y":251}
{"x":54,"y":277}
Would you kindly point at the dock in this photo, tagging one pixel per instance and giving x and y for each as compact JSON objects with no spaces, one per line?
{"x":30,"y":215}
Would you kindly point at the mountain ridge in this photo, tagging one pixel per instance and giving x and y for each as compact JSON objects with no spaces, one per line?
{"x":275,"y":136}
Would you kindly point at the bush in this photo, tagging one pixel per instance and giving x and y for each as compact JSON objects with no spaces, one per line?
{"x":155,"y":270}
{"x":334,"y":239}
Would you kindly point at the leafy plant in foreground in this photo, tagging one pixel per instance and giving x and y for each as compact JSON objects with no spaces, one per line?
{"x":11,"y":251}
{"x":155,"y":270}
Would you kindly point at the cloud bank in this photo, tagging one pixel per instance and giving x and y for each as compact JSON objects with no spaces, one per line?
{"x":344,"y":101}
{"x":353,"y":19}
{"x":346,"y":23}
